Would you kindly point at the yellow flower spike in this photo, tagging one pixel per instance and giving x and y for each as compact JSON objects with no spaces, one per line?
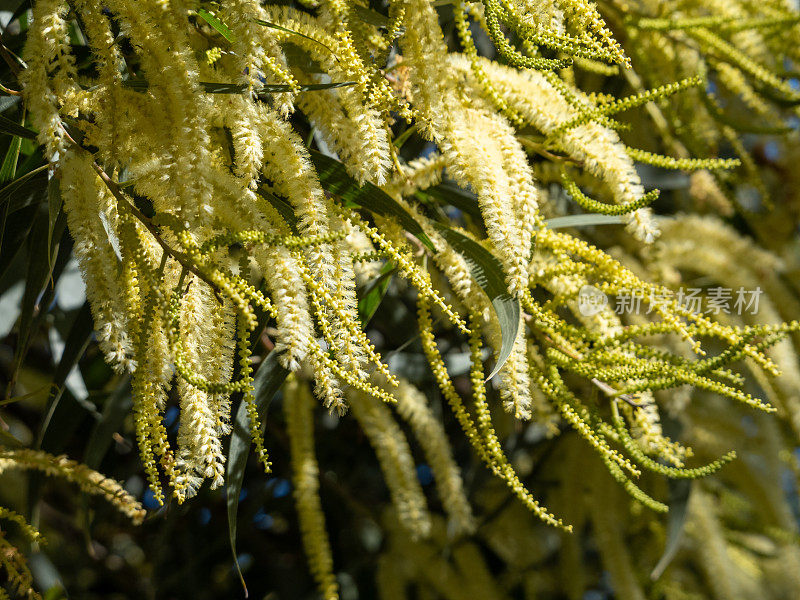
{"x":482,"y":436}
{"x":322,"y":302}
{"x":259,"y":58}
{"x":419,"y":278}
{"x":462,"y":26}
{"x":89,"y":480}
{"x":298,"y":408}
{"x":246,"y":370}
{"x":31,"y":533}
{"x":413,"y":407}
{"x":397,"y":464}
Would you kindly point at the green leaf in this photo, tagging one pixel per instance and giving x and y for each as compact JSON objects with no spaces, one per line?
{"x":281,"y":205}
{"x":583,"y":221}
{"x":403,"y":137}
{"x":12,"y":193}
{"x":268,"y":379}
{"x":454,"y":196}
{"x":292,"y":31}
{"x":334,"y":179}
{"x":7,"y":102}
{"x":653,"y":177}
{"x":9,"y":126}
{"x":298,"y":58}
{"x":13,"y":6}
{"x":306,"y":87}
{"x":27,"y":396}
{"x":679,"y":493}
{"x":46,"y":576}
{"x":13,"y":233}
{"x":488,"y":272}
{"x":74,"y":347}
{"x":9,"y":169}
{"x":26,"y":190}
{"x":8,"y":440}
{"x":115,"y":410}
{"x":221,"y":28}
{"x":40,"y":263}
{"x":374,"y":292}
{"x":54,"y":202}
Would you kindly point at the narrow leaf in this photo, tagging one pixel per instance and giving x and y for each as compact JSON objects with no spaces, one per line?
{"x":6,"y":439}
{"x":9,"y":169}
{"x":334,"y":179}
{"x":13,"y":233}
{"x":306,"y":87}
{"x":9,"y":126}
{"x":292,"y":31}
{"x":40,"y":262}
{"x":298,"y":58}
{"x":26,"y":190}
{"x":679,"y":493}
{"x":454,"y":196}
{"x":27,"y":396}
{"x":113,"y":240}
{"x":115,"y":410}
{"x":583,"y":221}
{"x":221,"y":28}
{"x":488,"y":272}
{"x":30,"y":181}
{"x":74,"y":346}
{"x":8,"y":172}
{"x":211,"y":87}
{"x":54,"y":210}
{"x":7,"y":102}
{"x":370,"y":17}
{"x":268,"y":379}
{"x":282,"y":206}
{"x":374,"y":293}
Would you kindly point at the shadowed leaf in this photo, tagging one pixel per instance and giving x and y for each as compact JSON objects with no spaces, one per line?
{"x":9,"y":126}
{"x":679,"y":493}
{"x":74,"y":346}
{"x":487,"y":271}
{"x":334,"y":179}
{"x":373,"y":294}
{"x":267,"y":381}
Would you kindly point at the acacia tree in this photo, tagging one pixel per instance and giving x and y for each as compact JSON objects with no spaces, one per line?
{"x":541,"y":256}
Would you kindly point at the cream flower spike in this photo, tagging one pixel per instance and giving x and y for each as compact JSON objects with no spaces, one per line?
{"x":596,"y":147}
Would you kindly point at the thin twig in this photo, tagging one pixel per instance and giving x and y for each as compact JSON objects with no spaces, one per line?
{"x":128,"y":206}
{"x":9,"y":91}
{"x":540,"y":149}
{"x":602,"y":385}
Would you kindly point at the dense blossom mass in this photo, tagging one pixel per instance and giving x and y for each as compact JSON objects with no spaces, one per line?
{"x":201,"y":213}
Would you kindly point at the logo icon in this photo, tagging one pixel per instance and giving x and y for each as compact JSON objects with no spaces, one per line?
{"x":591,"y":301}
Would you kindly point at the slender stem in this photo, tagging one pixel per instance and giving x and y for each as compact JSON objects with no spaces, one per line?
{"x":128,"y":206}
{"x":9,"y":91}
{"x":543,"y":151}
